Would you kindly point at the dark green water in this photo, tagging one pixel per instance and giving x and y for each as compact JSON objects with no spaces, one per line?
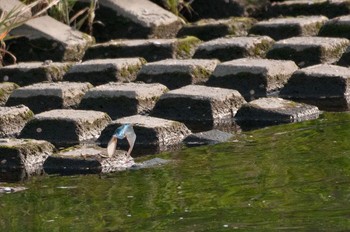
{"x":293,"y":177}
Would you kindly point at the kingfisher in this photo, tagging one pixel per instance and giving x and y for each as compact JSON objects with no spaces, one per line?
{"x":124,"y":131}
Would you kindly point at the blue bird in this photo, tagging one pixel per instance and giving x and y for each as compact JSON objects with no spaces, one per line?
{"x":124,"y":131}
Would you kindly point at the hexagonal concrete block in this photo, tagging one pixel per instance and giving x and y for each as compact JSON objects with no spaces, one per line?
{"x":253,"y":78}
{"x":208,"y":29}
{"x":27,"y":73}
{"x":6,"y":89}
{"x":175,"y":73}
{"x":282,"y":28}
{"x":152,"y":134}
{"x":337,"y":27}
{"x":25,"y":154}
{"x":44,"y":38}
{"x":102,"y":71}
{"x":123,"y":99}
{"x":149,"y":49}
{"x":231,"y":48}
{"x":272,"y":111}
{"x":86,"y":159}
{"x":199,"y":107}
{"x":66,"y":127}
{"x":325,"y":86}
{"x":47,"y":96}
{"x":307,"y":51}
{"x":13,"y":119}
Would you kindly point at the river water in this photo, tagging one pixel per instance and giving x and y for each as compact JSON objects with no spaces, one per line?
{"x":293,"y":177}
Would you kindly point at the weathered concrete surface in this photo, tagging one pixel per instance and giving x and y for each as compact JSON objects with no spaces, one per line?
{"x":44,"y":38}
{"x":337,"y":27}
{"x":66,"y":127}
{"x":42,"y":97}
{"x":102,"y":71}
{"x":6,"y":88}
{"x":175,"y":73}
{"x":272,"y":111}
{"x":153,"y":134}
{"x":345,"y":58}
{"x":25,"y":154}
{"x":327,"y":8}
{"x":207,"y":138}
{"x":282,"y":28}
{"x":8,"y":5}
{"x":208,"y":29}
{"x":226,"y":49}
{"x":133,"y":19}
{"x":13,"y":119}
{"x":86,"y":159}
{"x":325,"y":86}
{"x":253,"y":78}
{"x":217,"y":9}
{"x":307,"y":51}
{"x":149,"y":49}
{"x":123,"y":99}
{"x":28,"y":73}
{"x":199,"y":107}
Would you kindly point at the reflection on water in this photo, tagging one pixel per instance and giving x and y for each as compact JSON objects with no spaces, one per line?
{"x":290,"y":177}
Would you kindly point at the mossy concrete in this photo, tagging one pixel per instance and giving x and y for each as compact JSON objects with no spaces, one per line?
{"x":253,"y":78}
{"x":231,"y":48}
{"x":102,"y":71}
{"x":208,"y":29}
{"x":282,"y":28}
{"x":272,"y":111}
{"x":66,"y":127}
{"x":325,"y":86}
{"x":308,"y":51}
{"x":199,"y":107}
{"x":27,"y":73}
{"x":153,"y":134}
{"x":6,"y":88}
{"x":175,"y":73}
{"x":149,"y":49}
{"x":123,"y":99}
{"x":42,"y":97}
{"x":44,"y":38}
{"x":13,"y":119}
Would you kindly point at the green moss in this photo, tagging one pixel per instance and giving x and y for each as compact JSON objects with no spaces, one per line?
{"x":186,"y":46}
{"x":200,"y":72}
{"x":261,"y":48}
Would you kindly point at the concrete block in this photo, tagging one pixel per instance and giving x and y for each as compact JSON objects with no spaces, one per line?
{"x":152,"y":134}
{"x":86,"y":159}
{"x":325,"y":86}
{"x":123,"y":99}
{"x":13,"y":119}
{"x":44,"y":38}
{"x":27,"y":154}
{"x":307,"y":51}
{"x":6,"y":88}
{"x":42,"y":97}
{"x":337,"y":27}
{"x":253,"y":78}
{"x":102,"y":71}
{"x":66,"y":127}
{"x":272,"y":111}
{"x":208,"y":29}
{"x":226,"y":49}
{"x":327,"y":8}
{"x":9,"y":5}
{"x":345,"y":58}
{"x":149,"y":49}
{"x":133,"y":19}
{"x":283,"y":28}
{"x":28,"y":73}
{"x":177,"y":73}
{"x":207,"y":138}
{"x":199,"y":107}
